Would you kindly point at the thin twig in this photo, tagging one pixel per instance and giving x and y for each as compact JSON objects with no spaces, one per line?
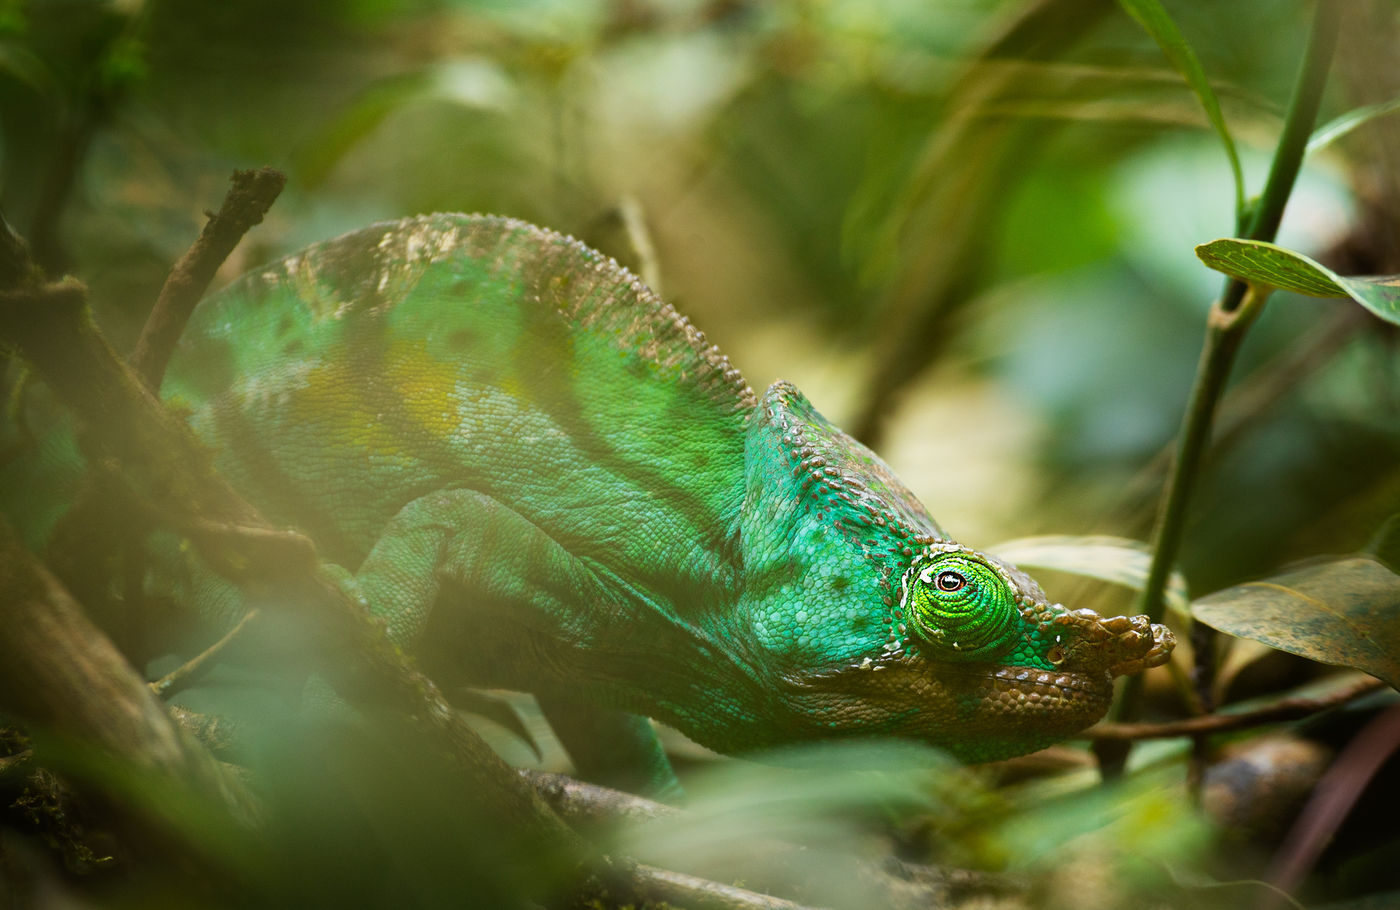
{"x":190,"y":671}
{"x":1332,"y":800}
{"x":252,"y":194}
{"x":1281,"y":710}
{"x":702,"y":894}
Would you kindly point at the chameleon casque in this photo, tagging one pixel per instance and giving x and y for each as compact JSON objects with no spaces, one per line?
{"x":544,"y":479}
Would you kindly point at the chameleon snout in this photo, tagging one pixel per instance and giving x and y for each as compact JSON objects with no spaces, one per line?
{"x":1119,"y":645}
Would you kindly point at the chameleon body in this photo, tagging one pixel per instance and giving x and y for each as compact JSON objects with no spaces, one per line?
{"x":544,"y":479}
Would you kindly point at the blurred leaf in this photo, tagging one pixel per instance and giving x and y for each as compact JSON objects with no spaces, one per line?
{"x":191,"y":818}
{"x":1266,"y":264}
{"x":1338,"y":127}
{"x":468,"y":81}
{"x":1344,"y":612}
{"x":813,"y":794}
{"x":1148,"y":813}
{"x":1112,"y":559}
{"x":1152,"y":17}
{"x":124,"y":65}
{"x":21,"y":64}
{"x":1385,"y":543}
{"x":1099,"y":110}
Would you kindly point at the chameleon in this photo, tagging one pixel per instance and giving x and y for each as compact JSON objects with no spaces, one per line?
{"x":544,"y":479}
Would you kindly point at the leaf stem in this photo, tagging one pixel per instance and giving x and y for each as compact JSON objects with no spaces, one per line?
{"x":1230,"y":317}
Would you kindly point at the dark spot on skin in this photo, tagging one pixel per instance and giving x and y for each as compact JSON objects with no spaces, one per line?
{"x":293,"y":347}
{"x":840,"y":583}
{"x":285,"y":326}
{"x":460,"y":340}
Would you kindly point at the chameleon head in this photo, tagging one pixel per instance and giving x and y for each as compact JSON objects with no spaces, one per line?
{"x":979,"y":663}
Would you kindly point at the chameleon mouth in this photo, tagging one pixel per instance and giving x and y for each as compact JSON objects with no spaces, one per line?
{"x":973,"y":711}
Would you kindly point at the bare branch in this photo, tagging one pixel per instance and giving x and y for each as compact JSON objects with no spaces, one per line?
{"x":190,"y":671}
{"x":252,"y":194}
{"x":1282,"y":710}
{"x":59,"y":672}
{"x":701,"y":894}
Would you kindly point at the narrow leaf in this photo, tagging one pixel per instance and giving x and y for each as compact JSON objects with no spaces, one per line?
{"x":1335,"y":129}
{"x":1344,"y":612}
{"x":1151,"y":15}
{"x":1268,"y":265}
{"x":1113,"y":559}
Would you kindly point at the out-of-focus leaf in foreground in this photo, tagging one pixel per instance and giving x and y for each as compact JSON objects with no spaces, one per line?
{"x":1118,"y":560}
{"x":1272,"y":266}
{"x":1344,"y":611}
{"x":1114,"y":846}
{"x":823,"y":798}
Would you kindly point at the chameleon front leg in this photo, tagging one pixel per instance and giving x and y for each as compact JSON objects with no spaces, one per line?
{"x":461,"y":549}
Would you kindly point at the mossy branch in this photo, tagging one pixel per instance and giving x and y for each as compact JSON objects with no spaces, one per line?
{"x":59,"y":673}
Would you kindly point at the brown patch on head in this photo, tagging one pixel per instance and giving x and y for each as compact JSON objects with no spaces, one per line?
{"x":976,"y":712}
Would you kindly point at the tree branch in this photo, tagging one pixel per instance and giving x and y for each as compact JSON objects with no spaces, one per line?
{"x":252,"y":194}
{"x":1282,"y":710}
{"x":701,"y":894}
{"x":50,"y":327}
{"x":59,"y":673}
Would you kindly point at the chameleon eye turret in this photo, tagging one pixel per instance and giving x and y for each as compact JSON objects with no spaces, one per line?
{"x":959,"y":606}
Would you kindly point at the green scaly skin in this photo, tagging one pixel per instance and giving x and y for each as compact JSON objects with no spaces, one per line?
{"x":544,"y":479}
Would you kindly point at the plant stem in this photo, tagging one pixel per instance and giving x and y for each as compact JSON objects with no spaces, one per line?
{"x":1297,"y":128}
{"x":1229,"y":319}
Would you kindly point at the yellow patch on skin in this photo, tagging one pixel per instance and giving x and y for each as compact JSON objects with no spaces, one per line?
{"x":414,"y":387}
{"x":424,"y":386}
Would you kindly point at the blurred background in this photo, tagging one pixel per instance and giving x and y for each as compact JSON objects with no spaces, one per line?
{"x":964,"y":228}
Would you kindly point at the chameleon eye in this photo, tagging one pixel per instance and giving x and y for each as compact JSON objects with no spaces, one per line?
{"x":960,"y":606}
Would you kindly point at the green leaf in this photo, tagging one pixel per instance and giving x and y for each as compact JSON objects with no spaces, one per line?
{"x":1335,"y":129}
{"x":1154,"y":18}
{"x":1113,"y":559}
{"x":1344,"y":611}
{"x":1272,"y":266}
